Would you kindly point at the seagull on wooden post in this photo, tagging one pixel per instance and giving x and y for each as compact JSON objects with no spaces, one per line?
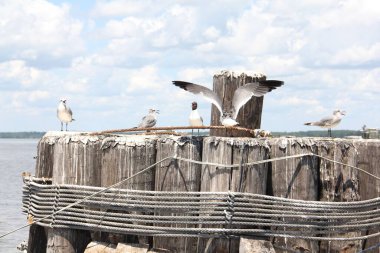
{"x":64,"y":113}
{"x":150,"y":119}
{"x":329,"y":121}
{"x":241,"y":96}
{"x":195,"y":119}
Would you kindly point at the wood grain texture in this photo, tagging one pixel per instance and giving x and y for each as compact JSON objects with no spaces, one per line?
{"x":122,"y":157}
{"x":250,"y":179}
{"x":295,"y":178}
{"x":224,"y":85}
{"x":76,"y":160}
{"x":173,"y":175}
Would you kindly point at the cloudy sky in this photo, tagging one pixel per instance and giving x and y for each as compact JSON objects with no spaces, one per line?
{"x":113,"y":60}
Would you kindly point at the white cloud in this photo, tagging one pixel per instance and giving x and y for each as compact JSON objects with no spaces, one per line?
{"x":38,"y":31}
{"x":18,"y":71}
{"x":146,"y":78}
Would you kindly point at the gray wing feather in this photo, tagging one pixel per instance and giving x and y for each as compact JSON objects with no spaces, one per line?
{"x":244,"y":93}
{"x":326,"y":121}
{"x":196,"y":89}
{"x":148,"y":121}
{"x":69,"y":111}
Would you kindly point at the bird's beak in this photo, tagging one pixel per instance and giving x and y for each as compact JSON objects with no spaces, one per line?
{"x":343,"y":112}
{"x":158,"y":111}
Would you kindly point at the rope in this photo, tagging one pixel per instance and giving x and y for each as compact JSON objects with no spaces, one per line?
{"x":253,"y":132}
{"x":236,"y":209}
{"x":80,"y":201}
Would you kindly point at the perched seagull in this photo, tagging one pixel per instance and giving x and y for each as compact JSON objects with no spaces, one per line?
{"x":64,"y":113}
{"x":330,"y":121}
{"x":195,"y":119}
{"x":150,"y":119}
{"x":241,"y":96}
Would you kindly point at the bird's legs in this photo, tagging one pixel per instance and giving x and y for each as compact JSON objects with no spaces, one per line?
{"x":329,"y":132}
{"x":66,"y":127}
{"x":61,"y":126}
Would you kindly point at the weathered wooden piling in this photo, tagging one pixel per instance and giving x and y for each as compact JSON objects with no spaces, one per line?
{"x":174,"y":175}
{"x":249,"y":116}
{"x":250,"y":179}
{"x":295,"y":178}
{"x":79,"y":158}
{"x":76,"y":160}
{"x":122,"y":157}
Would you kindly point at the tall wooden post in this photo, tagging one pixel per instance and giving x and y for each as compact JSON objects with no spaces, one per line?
{"x":369,"y":160}
{"x":178,"y":176}
{"x":250,"y":179}
{"x":37,"y":240}
{"x":76,"y":160}
{"x":294,"y":178}
{"x":339,"y":184}
{"x":249,"y":115}
{"x":122,"y":157}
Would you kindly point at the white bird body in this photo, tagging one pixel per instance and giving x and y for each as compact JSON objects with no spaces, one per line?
{"x":64,"y":113}
{"x":241,"y":96}
{"x":329,"y":121}
{"x":150,"y":119}
{"x":228,"y":122}
{"x":195,"y":119}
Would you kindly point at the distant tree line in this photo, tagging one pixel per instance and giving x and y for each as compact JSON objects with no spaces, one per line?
{"x":335,"y":133}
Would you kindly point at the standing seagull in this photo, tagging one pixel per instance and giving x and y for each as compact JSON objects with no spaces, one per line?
{"x":330,"y":121}
{"x":195,"y":119}
{"x":64,"y":113}
{"x":241,"y":96}
{"x":150,"y":119}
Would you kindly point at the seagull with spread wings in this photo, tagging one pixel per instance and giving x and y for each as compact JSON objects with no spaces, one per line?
{"x":241,"y":96}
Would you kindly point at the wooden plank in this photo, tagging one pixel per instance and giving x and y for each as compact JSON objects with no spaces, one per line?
{"x":295,"y":178}
{"x":251,"y":179}
{"x":339,"y":184}
{"x":249,"y":116}
{"x":173,"y":175}
{"x":76,"y":160}
{"x":37,"y":240}
{"x":368,"y":159}
{"x":122,"y":157}
{"x":214,"y":179}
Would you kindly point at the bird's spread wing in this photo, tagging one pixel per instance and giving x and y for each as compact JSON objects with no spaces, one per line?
{"x":272,"y":84}
{"x":244,"y":93}
{"x":201,"y":90}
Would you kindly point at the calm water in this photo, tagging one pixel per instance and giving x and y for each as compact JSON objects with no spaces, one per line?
{"x":16,"y":156}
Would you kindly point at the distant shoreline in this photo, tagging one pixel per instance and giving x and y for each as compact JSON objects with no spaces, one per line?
{"x":318,"y":133}
{"x":21,"y":135}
